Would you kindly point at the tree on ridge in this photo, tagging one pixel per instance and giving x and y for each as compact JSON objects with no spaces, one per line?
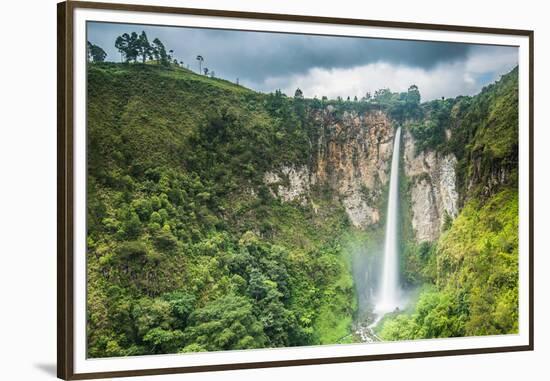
{"x":95,"y":53}
{"x":201,"y":60}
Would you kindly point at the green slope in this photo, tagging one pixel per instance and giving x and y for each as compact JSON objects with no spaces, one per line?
{"x":187,"y":249}
{"x":476,"y":277}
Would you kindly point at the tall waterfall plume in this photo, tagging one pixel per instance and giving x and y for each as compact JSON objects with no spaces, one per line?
{"x":389,"y":292}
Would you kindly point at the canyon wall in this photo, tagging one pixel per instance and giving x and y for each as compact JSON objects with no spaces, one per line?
{"x":353,"y":159}
{"x":432,"y":189}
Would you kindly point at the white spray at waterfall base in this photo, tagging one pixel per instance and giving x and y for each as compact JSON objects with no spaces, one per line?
{"x":389,"y":296}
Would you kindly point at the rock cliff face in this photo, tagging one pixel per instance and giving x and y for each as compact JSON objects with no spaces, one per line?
{"x":433,"y":192}
{"x":353,"y":159}
{"x":290,"y":183}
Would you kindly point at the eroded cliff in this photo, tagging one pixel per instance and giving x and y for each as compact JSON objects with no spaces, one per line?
{"x":353,"y":158}
{"x":432,"y":189}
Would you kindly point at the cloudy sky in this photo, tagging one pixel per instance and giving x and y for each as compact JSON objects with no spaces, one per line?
{"x":324,"y":65}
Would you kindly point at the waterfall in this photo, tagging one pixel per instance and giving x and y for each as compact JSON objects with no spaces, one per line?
{"x":389,"y":292}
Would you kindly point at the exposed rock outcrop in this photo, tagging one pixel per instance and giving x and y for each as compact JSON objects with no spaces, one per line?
{"x":433,"y":189}
{"x":353,"y":159}
{"x":354,"y":155}
{"x":290,"y":183}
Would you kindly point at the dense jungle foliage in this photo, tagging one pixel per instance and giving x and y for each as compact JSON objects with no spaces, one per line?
{"x":473,"y":270}
{"x":188,"y":250}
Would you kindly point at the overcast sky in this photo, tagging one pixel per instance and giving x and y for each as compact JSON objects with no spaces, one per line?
{"x":323,"y":65}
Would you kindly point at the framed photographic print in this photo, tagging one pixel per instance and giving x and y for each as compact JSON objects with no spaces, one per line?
{"x":242,"y":190}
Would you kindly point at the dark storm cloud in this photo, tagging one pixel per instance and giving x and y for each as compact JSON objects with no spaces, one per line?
{"x":255,"y":56}
{"x":325,"y":65}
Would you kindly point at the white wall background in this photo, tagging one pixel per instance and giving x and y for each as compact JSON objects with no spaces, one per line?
{"x":28,"y":188}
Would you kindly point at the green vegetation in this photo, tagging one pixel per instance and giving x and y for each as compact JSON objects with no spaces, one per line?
{"x":95,"y":53}
{"x":483,"y":136}
{"x":133,"y":47}
{"x":470,"y":275}
{"x":189,"y":250}
{"x":401,"y":107}
{"x":476,"y":277}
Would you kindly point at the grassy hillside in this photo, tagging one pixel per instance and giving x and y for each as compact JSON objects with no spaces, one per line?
{"x":187,"y":249}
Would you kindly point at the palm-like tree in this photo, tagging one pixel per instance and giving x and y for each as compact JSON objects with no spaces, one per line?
{"x":201,"y":60}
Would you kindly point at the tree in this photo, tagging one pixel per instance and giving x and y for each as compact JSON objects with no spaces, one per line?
{"x":277,"y":321}
{"x":383,"y":96}
{"x":159,"y":52}
{"x":181,"y":304}
{"x":120,"y":44}
{"x":127,"y":44}
{"x":154,"y":323}
{"x":224,"y":324}
{"x":298,"y":93}
{"x":201,"y":60}
{"x":412,"y":102}
{"x":413,"y":95}
{"x":131,"y":225}
{"x":161,"y":340}
{"x":95,"y":53}
{"x":258,"y":284}
{"x":205,"y":71}
{"x":143,"y":47}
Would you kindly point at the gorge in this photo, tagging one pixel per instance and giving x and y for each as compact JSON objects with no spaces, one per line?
{"x":221,"y":218}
